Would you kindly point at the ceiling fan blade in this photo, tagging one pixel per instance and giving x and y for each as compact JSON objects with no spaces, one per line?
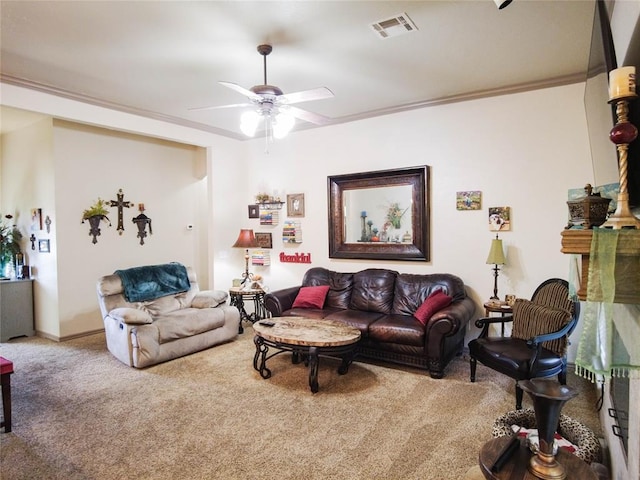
{"x":241,"y":90}
{"x":307,"y":116}
{"x":319,"y":93}
{"x":235,"y":105}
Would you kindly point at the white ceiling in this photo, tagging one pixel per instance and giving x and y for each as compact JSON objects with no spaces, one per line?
{"x":161,"y":58}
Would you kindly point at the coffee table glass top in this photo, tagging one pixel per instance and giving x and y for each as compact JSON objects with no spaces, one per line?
{"x":308,"y":332}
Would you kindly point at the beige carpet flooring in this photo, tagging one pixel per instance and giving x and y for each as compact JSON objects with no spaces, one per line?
{"x":78,"y":413}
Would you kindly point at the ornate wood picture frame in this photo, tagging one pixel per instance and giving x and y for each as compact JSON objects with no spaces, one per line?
{"x":264,"y":240}
{"x":295,"y":205}
{"x":352,"y":229}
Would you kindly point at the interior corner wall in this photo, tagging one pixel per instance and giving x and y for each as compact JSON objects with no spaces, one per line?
{"x":521,"y":150}
{"x":92,"y":163}
{"x":28,"y":182}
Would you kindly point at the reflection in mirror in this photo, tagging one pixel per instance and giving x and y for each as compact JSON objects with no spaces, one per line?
{"x":381,"y":214}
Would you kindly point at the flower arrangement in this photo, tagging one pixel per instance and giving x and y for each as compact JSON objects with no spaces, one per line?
{"x":10,"y":238}
{"x":394,"y":215}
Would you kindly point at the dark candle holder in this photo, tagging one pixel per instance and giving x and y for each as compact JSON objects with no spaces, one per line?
{"x":548,"y":397}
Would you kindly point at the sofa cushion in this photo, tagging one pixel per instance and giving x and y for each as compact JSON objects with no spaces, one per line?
{"x":187,"y":322}
{"x":340,"y":285}
{"x":209,"y":298}
{"x":397,"y":329}
{"x":308,"y":312}
{"x":373,"y":290}
{"x":434,"y":302}
{"x":311,"y":297}
{"x":412,"y":290}
{"x":531,"y":319}
{"x":356,"y":318}
{"x":163,"y":305}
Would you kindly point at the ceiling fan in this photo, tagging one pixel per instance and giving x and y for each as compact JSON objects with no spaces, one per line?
{"x":272,"y":105}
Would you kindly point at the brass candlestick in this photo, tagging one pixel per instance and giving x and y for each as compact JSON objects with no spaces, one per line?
{"x":622,"y":134}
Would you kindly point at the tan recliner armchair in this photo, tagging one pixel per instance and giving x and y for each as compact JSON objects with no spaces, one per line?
{"x":144,"y":333}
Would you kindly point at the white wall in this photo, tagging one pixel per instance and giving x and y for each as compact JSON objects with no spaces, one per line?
{"x":92,"y":163}
{"x":523,"y":150}
{"x":28,"y":173}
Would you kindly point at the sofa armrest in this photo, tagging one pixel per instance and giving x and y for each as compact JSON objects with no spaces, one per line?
{"x":130,"y":316}
{"x":447,"y":322}
{"x":280,"y":300}
{"x":209,"y":298}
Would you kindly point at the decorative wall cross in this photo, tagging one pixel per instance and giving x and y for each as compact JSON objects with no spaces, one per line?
{"x":120,"y":203}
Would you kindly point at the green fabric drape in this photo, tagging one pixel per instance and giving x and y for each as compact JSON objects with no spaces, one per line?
{"x":612,"y":304}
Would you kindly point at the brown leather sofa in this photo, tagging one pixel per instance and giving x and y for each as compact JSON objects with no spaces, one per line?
{"x":381,"y":304}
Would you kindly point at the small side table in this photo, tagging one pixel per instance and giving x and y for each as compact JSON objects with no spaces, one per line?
{"x":501,"y":308}
{"x":238,"y":297}
{"x":516,"y":468}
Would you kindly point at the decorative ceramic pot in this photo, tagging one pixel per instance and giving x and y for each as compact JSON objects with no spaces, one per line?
{"x":548,"y":397}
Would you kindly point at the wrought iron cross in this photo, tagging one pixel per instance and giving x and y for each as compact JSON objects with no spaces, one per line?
{"x":120,"y":203}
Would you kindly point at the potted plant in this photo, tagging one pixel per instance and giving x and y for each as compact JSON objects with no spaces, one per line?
{"x":94,"y":214}
{"x":10,"y":238}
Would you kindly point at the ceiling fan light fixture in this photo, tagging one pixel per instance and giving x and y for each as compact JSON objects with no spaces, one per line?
{"x":249,"y":123}
{"x":502,"y":3}
{"x":282,"y":124}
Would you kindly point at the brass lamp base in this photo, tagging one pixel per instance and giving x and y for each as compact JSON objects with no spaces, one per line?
{"x":622,"y":218}
{"x":546,"y":467}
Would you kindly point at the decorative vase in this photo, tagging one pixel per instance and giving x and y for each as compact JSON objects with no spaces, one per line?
{"x":548,"y":397}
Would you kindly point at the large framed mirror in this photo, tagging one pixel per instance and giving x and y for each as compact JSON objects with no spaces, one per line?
{"x":381,"y":215}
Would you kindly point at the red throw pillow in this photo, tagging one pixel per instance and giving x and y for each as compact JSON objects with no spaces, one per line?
{"x":311,"y":297}
{"x":434,"y":302}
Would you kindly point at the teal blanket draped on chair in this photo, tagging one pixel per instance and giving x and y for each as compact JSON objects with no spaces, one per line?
{"x":153,"y":281}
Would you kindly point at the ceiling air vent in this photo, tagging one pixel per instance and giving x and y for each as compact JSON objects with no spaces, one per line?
{"x":392,"y":27}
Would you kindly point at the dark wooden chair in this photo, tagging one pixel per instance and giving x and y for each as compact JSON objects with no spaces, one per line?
{"x":538,"y":343}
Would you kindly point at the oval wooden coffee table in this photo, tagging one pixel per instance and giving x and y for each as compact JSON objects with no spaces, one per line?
{"x":306,"y":337}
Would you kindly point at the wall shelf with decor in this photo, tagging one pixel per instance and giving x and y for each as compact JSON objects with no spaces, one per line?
{"x":270,"y":205}
{"x":269,"y":217}
{"x":292,"y":232}
{"x":261,"y":258}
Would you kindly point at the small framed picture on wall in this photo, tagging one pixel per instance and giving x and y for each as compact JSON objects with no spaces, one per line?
{"x":254,"y":211}
{"x":43,"y":246}
{"x":264,"y":240}
{"x":295,"y":205}
{"x":469,"y":200}
{"x":499,"y":219}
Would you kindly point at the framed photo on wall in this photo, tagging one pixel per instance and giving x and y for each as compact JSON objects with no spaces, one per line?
{"x":295,"y":205}
{"x":254,"y":211}
{"x":264,"y":240}
{"x":499,"y":219}
{"x":469,"y":200}
{"x":43,"y":246}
